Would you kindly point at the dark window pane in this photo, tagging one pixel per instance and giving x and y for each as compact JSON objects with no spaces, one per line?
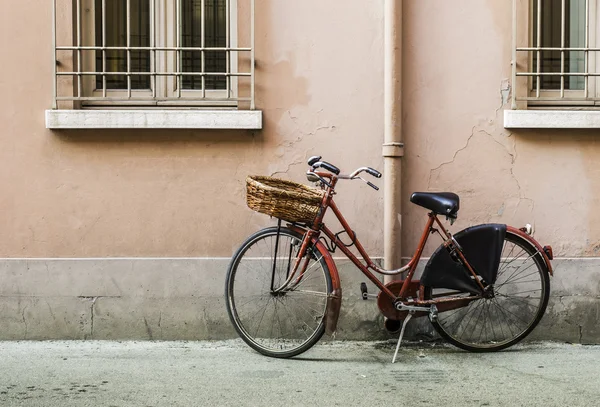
{"x":116,"y":36}
{"x":215,"y":36}
{"x":551,"y":36}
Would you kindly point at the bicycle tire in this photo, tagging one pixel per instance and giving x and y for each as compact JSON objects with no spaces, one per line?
{"x":493,"y":324}
{"x":297,"y":317}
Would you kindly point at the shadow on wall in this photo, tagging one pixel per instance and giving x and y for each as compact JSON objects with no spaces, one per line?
{"x":158,"y":136}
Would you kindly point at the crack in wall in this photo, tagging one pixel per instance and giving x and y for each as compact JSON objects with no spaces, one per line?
{"x":159,"y":322}
{"x":513,"y":158}
{"x":290,"y":165}
{"x":521,"y":195}
{"x":25,"y":322}
{"x":93,"y":303}
{"x":568,"y":320}
{"x":148,"y":330}
{"x":453,"y":158}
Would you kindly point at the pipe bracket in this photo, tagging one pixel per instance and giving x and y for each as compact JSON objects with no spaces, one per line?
{"x":393,"y":149}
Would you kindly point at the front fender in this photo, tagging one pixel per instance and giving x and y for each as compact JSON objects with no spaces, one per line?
{"x":534,"y":242}
{"x":334,"y":298}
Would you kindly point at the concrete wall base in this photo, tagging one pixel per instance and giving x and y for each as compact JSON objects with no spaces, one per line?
{"x":182,"y":299}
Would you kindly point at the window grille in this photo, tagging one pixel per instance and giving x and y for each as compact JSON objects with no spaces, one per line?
{"x":558,"y":61}
{"x":161,"y":52}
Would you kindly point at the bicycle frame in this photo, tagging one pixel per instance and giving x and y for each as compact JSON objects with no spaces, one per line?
{"x":313,"y":234}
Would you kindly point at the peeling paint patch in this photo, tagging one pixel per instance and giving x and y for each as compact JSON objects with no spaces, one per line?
{"x":504,"y":92}
{"x":501,"y":210}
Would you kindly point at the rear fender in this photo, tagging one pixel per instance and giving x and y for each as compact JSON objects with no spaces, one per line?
{"x":334,"y":298}
{"x":534,"y":242}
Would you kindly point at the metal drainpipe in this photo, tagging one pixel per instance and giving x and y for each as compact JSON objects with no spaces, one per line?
{"x":393,"y":148}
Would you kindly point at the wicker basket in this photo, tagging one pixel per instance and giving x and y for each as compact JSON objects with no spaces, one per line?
{"x":283,"y":199}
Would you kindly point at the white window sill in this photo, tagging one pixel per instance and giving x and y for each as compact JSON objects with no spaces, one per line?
{"x":154,"y":119}
{"x":551,"y":119}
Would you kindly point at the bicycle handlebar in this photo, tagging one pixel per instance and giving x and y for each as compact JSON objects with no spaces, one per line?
{"x":329,"y":167}
{"x":315,"y":162}
{"x":368,"y":170}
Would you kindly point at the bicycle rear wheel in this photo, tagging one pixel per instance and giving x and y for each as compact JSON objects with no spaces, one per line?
{"x":277,"y":323}
{"x":519,"y":300}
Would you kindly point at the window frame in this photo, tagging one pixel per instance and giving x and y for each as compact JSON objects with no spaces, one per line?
{"x":164,"y":32}
{"x":71,"y":110}
{"x":524,"y":94}
{"x":553,"y":97}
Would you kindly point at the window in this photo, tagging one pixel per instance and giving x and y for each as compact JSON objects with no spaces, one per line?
{"x":558,"y":28}
{"x":155,"y":53}
{"x":556,"y":56}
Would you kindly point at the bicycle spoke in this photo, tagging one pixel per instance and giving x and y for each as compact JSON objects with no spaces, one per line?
{"x":261,"y":318}
{"x":484,"y":313}
{"x":501,"y":270}
{"x":507,"y":318}
{"x":465,"y":310}
{"x":315,"y":293}
{"x":469,"y":322}
{"x":508,"y":279}
{"x":517,"y":318}
{"x":302,"y":321}
{"x":519,"y":280}
{"x":492,"y":326}
{"x":316,"y":311}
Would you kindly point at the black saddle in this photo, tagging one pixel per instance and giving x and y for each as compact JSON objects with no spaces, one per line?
{"x":441,"y":203}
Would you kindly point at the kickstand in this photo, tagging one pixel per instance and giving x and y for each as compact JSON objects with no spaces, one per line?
{"x":408,"y":317}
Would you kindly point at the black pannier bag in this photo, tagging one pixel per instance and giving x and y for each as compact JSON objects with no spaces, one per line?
{"x":482,"y":247}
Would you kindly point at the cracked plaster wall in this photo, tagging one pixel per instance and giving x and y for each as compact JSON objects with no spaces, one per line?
{"x":455,"y":91}
{"x":182,"y":193}
{"x":162,"y":194}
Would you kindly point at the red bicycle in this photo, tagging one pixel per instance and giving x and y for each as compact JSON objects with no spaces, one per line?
{"x":484,"y":289}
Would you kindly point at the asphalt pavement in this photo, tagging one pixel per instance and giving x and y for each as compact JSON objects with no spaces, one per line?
{"x":127,"y":374}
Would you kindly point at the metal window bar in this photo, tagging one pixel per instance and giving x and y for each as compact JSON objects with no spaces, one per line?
{"x":227,"y":45}
{"x":563,"y":19}
{"x":540,"y":50}
{"x":104,"y":45}
{"x":128,"y":41}
{"x":539,"y":44}
{"x":203,"y":43}
{"x":178,"y":40}
{"x":204,"y":97}
{"x":252,"y":76}
{"x":79,"y":52}
{"x":152,"y":49}
{"x":587,"y":42}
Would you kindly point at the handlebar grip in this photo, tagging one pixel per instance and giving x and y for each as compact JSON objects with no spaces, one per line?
{"x":374,"y":172}
{"x":313,"y":159}
{"x":375,"y":187}
{"x":329,"y":167}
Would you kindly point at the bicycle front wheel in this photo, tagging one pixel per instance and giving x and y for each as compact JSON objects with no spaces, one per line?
{"x":277,"y":323}
{"x":516,"y":306}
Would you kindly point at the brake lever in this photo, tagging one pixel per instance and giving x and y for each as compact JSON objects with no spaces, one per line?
{"x":375,"y":187}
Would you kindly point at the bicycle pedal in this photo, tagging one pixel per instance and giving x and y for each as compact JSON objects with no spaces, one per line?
{"x":363,"y":290}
